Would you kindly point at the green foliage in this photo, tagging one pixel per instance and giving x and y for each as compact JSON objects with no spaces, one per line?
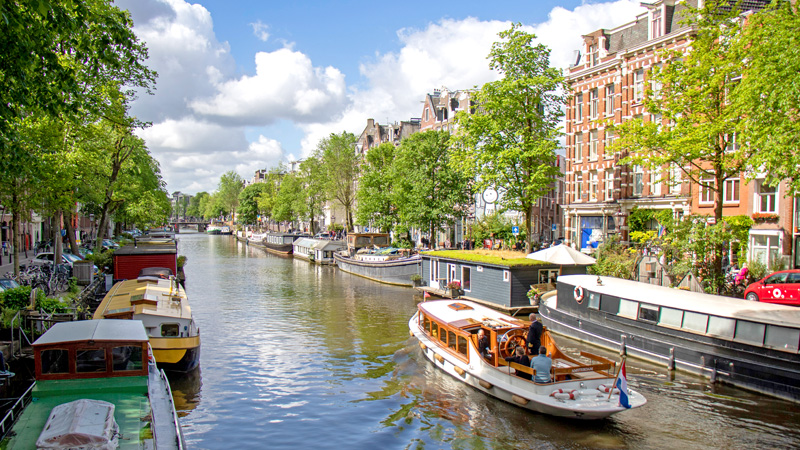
{"x":614,"y":260}
{"x":248,"y":202}
{"x":494,"y":226}
{"x":195,"y":209}
{"x":468,"y":255}
{"x":228,"y":190}
{"x":289,"y":196}
{"x":73,"y":286}
{"x":103,"y":259}
{"x":312,"y":195}
{"x":756,"y":270}
{"x":181,"y":261}
{"x":51,"y":305}
{"x":375,"y":197}
{"x":17,"y":298}
{"x":341,"y":171}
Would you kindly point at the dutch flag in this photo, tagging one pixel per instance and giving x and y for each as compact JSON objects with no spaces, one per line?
{"x":622,"y":385}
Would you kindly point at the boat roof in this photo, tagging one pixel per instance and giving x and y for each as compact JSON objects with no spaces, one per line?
{"x":699,"y":302}
{"x":319,"y":244}
{"x":462,"y":313}
{"x":146,"y":247}
{"x":160,"y":297}
{"x":94,"y":330}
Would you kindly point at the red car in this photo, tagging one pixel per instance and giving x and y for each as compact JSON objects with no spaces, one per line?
{"x":780,"y":287}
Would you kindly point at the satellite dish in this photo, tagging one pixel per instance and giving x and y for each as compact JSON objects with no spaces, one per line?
{"x":490,"y":195}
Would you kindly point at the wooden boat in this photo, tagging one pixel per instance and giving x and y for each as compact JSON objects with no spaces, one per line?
{"x":447,"y":332}
{"x":95,"y":384}
{"x":368,"y":255}
{"x":157,"y":299}
{"x":747,"y":344}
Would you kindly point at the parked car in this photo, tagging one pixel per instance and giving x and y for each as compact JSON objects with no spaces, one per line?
{"x":780,"y":287}
{"x":66,"y":258}
{"x":7,"y":283}
{"x":109,"y":244}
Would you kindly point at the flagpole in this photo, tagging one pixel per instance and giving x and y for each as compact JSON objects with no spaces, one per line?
{"x":613,"y":386}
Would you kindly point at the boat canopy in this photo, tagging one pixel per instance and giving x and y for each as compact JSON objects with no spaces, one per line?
{"x":94,"y":330}
{"x":462,"y":315}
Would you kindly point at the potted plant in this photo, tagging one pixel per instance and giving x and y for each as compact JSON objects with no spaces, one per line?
{"x":454,"y":288}
{"x":534,"y":295}
{"x":416,"y":279}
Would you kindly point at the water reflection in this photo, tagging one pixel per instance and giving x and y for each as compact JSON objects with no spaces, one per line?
{"x":295,"y":354}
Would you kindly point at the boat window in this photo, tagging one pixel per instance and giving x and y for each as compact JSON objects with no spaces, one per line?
{"x":548,"y":276}
{"x":362,"y":241}
{"x":695,"y":322}
{"x":506,"y":275}
{"x":466,"y":278}
{"x":462,"y":345}
{"x":435,"y":330}
{"x":91,"y":360}
{"x":55,"y":361}
{"x":648,"y":313}
{"x":128,"y":357}
{"x":426,"y":324}
{"x":381,"y":241}
{"x":671,"y":317}
{"x":750,"y":332}
{"x":721,"y":327}
{"x":782,"y":338}
{"x":609,"y":304}
{"x":451,"y":340}
{"x":170,"y":329}
{"x":443,"y":334}
{"x":594,"y":300}
{"x":628,"y":308}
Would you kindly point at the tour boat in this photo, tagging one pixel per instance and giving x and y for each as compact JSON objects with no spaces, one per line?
{"x":748,"y":344}
{"x":96,"y":387}
{"x":368,"y":255}
{"x":447,"y":331}
{"x":157,"y":299}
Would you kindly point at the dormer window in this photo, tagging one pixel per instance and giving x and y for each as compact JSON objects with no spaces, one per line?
{"x":656,"y":24}
{"x":594,"y":54}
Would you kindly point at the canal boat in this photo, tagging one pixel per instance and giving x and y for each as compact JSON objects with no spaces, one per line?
{"x":157,"y":299}
{"x":96,"y":387}
{"x":369,"y":255}
{"x":447,"y":331}
{"x":256,"y":239}
{"x":318,"y":251}
{"x":747,"y":344}
{"x":281,"y":243}
{"x":214,"y":229}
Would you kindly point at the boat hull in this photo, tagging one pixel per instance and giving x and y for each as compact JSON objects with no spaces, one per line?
{"x":397,"y":272}
{"x":535,"y":397}
{"x":771,"y":372}
{"x":176,"y":354}
{"x":279,"y":249}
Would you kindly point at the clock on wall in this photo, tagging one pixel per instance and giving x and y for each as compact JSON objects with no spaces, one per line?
{"x":490,"y":195}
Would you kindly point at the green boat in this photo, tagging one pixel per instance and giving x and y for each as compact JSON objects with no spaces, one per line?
{"x":97,"y":387}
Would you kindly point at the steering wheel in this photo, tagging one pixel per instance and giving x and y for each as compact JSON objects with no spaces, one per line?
{"x":510,"y":340}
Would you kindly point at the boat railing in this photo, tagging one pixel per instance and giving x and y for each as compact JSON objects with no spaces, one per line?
{"x":180,"y":445}
{"x":16,"y":410}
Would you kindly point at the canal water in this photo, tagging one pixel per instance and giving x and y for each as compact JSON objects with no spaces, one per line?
{"x":301,"y":356}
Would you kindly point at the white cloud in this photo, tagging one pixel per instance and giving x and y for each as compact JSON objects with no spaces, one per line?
{"x":260,"y":30}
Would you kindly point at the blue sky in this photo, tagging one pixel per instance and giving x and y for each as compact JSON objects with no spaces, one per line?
{"x":246,"y":85}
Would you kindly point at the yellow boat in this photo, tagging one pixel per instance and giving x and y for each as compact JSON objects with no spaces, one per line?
{"x":156,"y":298}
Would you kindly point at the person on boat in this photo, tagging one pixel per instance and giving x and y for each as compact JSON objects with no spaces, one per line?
{"x":541,"y":366}
{"x":520,"y":357}
{"x":483,"y":344}
{"x":533,"y":341}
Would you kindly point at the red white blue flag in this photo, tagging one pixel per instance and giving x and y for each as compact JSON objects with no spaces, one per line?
{"x":622,"y":385}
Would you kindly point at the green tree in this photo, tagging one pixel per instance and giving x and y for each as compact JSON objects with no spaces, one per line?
{"x":428,"y":192}
{"x":248,"y":203}
{"x":341,"y":166}
{"x":312,"y":178}
{"x":510,"y":142}
{"x":230,"y":186}
{"x":695,"y":122}
{"x":289,"y":196}
{"x":374,"y":195}
{"x":768,"y":96}
{"x":269,"y":197}
{"x":214,"y":207}
{"x":194,"y":209}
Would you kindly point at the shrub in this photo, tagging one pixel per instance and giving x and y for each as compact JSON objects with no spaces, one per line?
{"x":103,"y":260}
{"x":51,"y":305}
{"x":17,"y":298}
{"x":181,"y":261}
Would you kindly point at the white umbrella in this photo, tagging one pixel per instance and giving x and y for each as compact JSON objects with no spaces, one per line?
{"x":563,"y":255}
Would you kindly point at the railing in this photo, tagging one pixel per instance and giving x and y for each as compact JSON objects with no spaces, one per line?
{"x":16,"y":410}
{"x":178,"y":431}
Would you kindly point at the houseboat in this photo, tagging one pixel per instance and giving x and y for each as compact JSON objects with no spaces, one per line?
{"x":447,"y":331}
{"x":281,"y":243}
{"x":256,"y":239}
{"x":500,"y":283}
{"x":157,"y":299}
{"x":145,"y":252}
{"x":96,"y":387}
{"x":368,"y":255}
{"x":746,"y":344}
{"x":318,"y":251}
{"x":214,"y":229}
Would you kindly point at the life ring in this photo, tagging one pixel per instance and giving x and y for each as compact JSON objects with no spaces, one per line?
{"x":564,"y":394}
{"x":578,"y":294}
{"x":607,"y":389}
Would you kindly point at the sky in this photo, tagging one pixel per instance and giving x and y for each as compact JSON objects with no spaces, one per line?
{"x":245,"y":85}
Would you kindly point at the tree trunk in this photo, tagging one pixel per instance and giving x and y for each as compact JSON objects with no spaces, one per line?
{"x":58,"y":242}
{"x":15,"y":234}
{"x":529,"y":225}
{"x":73,"y":244}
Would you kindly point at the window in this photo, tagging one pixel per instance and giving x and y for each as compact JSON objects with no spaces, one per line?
{"x":638,"y":85}
{"x":721,"y":326}
{"x":593,"y":144}
{"x":671,"y":317}
{"x":462,"y":345}
{"x":655,"y":182}
{"x":578,"y":147}
{"x":127,"y":358}
{"x":506,"y":275}
{"x":55,"y":361}
{"x":578,"y":186}
{"x":778,"y":278}
{"x":434,"y":272}
{"x":628,"y":308}
{"x":609,"y":143}
{"x":593,"y":185}
{"x":730,"y":190}
{"x":170,"y":329}
{"x":655,"y":24}
{"x":766,"y":198}
{"x":765,"y":248}
{"x":648,"y":313}
{"x":91,"y":360}
{"x":594,"y":50}
{"x":638,"y":180}
{"x":594,"y":103}
{"x":706,"y":191}
{"x":750,"y":332}
{"x":435,"y":330}
{"x":608,"y":181}
{"x":594,"y":300}
{"x":466,"y":279}
{"x":548,"y":275}
{"x":733,"y":144}
{"x":675,"y":179}
{"x":782,"y":338}
{"x":426,"y":114}
{"x":452,"y":343}
{"x":656,"y":85}
{"x":579,"y":107}
{"x":609,"y":100}
{"x":695,"y":322}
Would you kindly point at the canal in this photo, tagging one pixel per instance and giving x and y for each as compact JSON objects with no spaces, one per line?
{"x":297,"y":355}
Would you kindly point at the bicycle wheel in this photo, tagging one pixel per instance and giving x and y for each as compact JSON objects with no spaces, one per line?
{"x":62,"y":285}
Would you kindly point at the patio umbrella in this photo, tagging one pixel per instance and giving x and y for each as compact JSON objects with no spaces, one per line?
{"x":563,"y":255}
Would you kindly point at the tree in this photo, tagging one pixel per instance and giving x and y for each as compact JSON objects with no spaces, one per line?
{"x":341,"y":170}
{"x":269,"y":197}
{"x":214,"y":207}
{"x":194,"y":209}
{"x":695,"y":120}
{"x":768,"y":97}
{"x":312,"y":179}
{"x":289,"y":194}
{"x":374,"y":196}
{"x":249,"y":211}
{"x":428,"y":192}
{"x":230,"y":185}
{"x":510,"y":142}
